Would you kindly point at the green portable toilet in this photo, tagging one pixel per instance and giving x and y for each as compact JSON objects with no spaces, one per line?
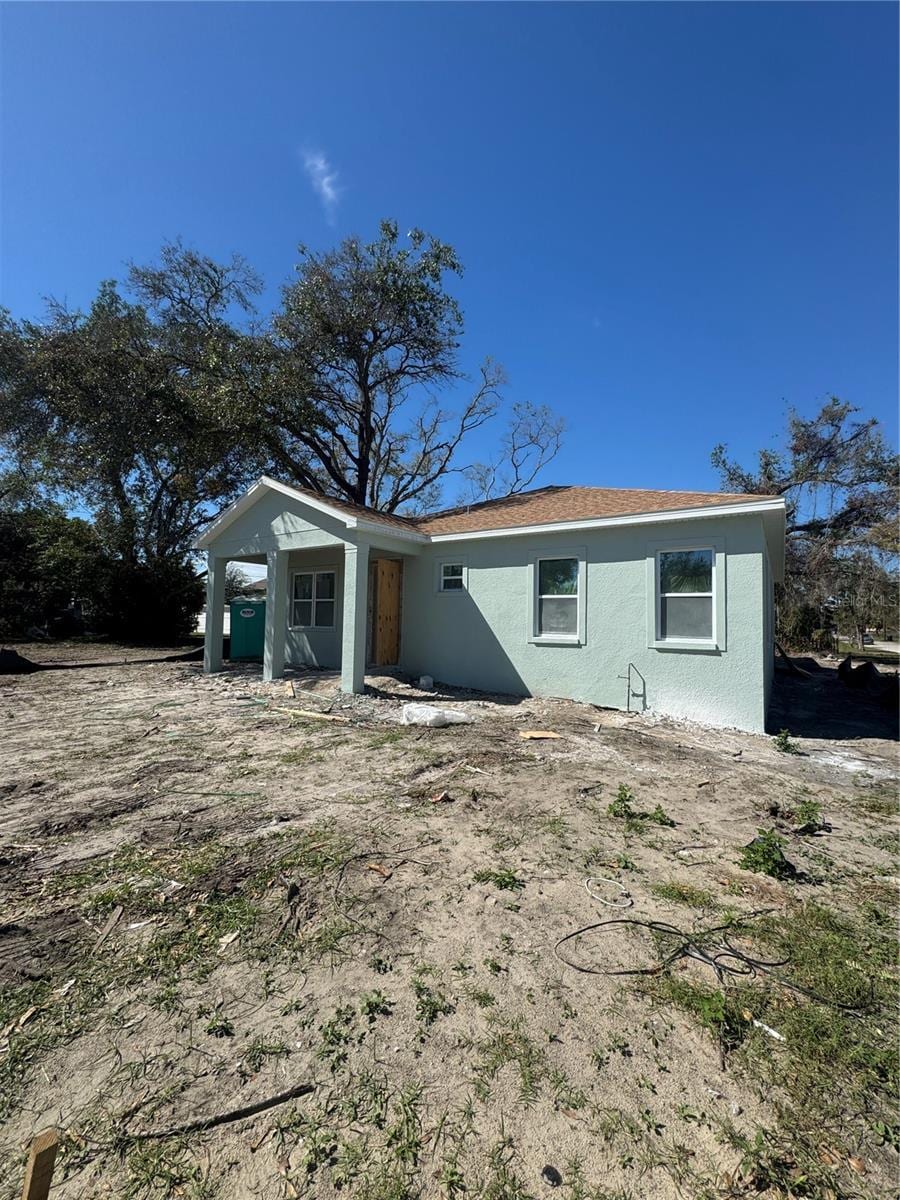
{"x":248,"y":629}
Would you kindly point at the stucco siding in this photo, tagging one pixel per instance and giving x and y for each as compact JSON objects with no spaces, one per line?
{"x":277,"y":522}
{"x":480,"y":636}
{"x":316,"y":647}
{"x":768,"y":629}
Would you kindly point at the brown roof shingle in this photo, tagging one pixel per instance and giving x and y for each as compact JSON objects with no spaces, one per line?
{"x":551,"y":504}
{"x":542,"y":506}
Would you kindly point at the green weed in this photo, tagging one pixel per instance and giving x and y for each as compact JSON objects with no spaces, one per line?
{"x":782,"y":741}
{"x":765,"y":856}
{"x":504,"y":879}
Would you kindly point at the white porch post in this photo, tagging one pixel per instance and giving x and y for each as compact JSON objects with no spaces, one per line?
{"x":215,"y":613}
{"x":353,"y":641}
{"x":276,"y":613}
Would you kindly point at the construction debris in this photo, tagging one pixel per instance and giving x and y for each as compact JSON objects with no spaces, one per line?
{"x":434,"y":718}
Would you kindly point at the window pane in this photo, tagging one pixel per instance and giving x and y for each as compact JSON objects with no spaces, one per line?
{"x":558,"y":577}
{"x":303,"y":587}
{"x":452,"y":570}
{"x":325,"y":585}
{"x":686,"y":617}
{"x":325,"y":613}
{"x":685,"y":571}
{"x":559,"y":615}
{"x":303,"y":612}
{"x":452,"y":585}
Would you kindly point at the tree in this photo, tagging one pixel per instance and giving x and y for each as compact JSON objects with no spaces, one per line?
{"x":837,"y":475}
{"x":98,"y":409}
{"x":839,"y":482}
{"x":237,"y":581}
{"x":342,"y":390}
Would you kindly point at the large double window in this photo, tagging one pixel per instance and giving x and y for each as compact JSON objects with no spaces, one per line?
{"x":312,"y":601}
{"x":685,"y":596}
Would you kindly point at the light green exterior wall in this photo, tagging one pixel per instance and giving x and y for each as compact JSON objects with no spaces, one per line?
{"x":480,"y":637}
{"x":275,"y":522}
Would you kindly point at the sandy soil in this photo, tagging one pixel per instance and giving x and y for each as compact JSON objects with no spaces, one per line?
{"x":305,"y":901}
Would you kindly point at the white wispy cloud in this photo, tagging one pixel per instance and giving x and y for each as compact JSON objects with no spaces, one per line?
{"x":324,"y":179}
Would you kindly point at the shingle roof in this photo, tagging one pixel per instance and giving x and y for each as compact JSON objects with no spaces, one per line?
{"x":542,"y":506}
{"x":547,"y":505}
{"x":356,"y":510}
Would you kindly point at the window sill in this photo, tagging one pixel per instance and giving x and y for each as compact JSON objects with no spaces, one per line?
{"x":310,"y":628}
{"x":700,"y":647}
{"x":556,"y":639}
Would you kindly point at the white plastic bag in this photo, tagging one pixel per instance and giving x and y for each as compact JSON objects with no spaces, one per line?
{"x":427,"y":714}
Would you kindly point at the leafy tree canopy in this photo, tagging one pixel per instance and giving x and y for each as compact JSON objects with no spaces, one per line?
{"x":344,"y":390}
{"x":839,"y":481}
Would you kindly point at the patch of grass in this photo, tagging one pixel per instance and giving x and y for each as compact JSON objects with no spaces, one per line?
{"x":808,"y":812}
{"x":374,"y":1005}
{"x":510,"y":1045}
{"x":683,"y":893}
{"x":502,"y":878}
{"x":431,"y":1003}
{"x":556,"y":826}
{"x":658,"y":817}
{"x":621,"y":807}
{"x":483,"y":998}
{"x":220,"y":1026}
{"x":302,"y":756}
{"x":389,"y":738}
{"x":879,"y":803}
{"x":160,"y":1169}
{"x":337,"y":1035}
{"x":329,"y":939}
{"x":843,"y":1035}
{"x":259,"y":1052}
{"x":765,"y":855}
{"x":782,"y":741}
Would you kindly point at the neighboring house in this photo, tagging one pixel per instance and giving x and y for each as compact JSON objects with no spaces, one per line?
{"x":618,"y":597}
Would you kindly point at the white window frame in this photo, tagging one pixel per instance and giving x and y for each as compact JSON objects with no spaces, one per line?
{"x":314,"y":600}
{"x":458,"y":560}
{"x":655,"y":640}
{"x":534,"y":607}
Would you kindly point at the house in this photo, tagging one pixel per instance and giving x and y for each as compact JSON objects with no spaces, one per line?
{"x":619,"y":597}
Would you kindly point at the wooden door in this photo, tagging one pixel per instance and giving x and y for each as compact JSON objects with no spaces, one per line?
{"x":387,"y":612}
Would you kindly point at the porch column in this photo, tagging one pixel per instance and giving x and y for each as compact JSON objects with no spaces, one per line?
{"x":276,"y":614}
{"x":215,"y":613}
{"x":353,"y":642}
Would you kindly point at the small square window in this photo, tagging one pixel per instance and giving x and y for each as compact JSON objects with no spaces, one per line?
{"x":452,"y":577}
{"x":313,"y":600}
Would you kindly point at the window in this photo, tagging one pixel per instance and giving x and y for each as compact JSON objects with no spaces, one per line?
{"x":557,"y":597}
{"x":685,"y":583}
{"x":452,"y":577}
{"x":313,"y":600}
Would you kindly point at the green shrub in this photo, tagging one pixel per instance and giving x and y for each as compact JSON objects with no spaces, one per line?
{"x":765,"y":856}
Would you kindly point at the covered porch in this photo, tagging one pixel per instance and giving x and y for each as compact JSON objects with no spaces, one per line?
{"x":334,"y":581}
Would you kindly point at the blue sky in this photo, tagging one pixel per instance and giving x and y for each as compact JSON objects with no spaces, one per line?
{"x":676,"y":219}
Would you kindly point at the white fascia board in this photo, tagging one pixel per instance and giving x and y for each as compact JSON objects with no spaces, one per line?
{"x":387,"y":530}
{"x":650,"y":518}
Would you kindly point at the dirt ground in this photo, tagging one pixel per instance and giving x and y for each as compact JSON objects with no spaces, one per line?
{"x":210,"y":899}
